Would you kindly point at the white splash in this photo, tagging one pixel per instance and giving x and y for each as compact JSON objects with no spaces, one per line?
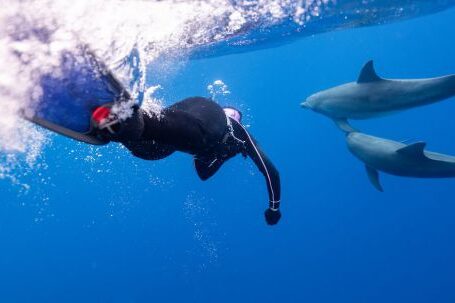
{"x":127,"y":35}
{"x":152,"y":104}
{"x":218,"y":88}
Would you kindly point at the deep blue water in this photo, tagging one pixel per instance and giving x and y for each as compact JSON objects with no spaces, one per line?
{"x":98,"y":225}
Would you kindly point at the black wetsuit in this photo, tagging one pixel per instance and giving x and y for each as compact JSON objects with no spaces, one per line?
{"x":200,"y":127}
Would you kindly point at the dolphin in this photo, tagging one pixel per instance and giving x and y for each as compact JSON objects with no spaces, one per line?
{"x":372,"y":96}
{"x":399,"y":159}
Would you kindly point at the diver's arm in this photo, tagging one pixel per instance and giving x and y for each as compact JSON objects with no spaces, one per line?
{"x":266,"y":167}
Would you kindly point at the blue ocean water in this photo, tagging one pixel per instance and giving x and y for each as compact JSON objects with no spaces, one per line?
{"x":98,"y":225}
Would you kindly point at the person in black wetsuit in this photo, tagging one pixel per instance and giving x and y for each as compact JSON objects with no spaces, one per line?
{"x":197,"y":126}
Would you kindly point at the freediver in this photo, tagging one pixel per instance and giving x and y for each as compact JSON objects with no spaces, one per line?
{"x":197,"y":126}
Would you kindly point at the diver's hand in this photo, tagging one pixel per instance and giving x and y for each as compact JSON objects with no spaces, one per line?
{"x":272,"y":216}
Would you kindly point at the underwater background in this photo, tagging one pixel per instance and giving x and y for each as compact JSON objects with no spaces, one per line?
{"x":94,"y":224}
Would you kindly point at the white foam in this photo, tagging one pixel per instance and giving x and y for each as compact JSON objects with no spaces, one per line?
{"x":33,"y":33}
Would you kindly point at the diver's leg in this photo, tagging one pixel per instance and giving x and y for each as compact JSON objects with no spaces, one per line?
{"x":149,"y":150}
{"x":209,"y":114}
{"x":130,"y":133}
{"x":109,"y":126}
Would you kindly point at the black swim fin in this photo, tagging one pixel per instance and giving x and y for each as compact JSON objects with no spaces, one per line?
{"x":68,"y":99}
{"x":86,"y":137}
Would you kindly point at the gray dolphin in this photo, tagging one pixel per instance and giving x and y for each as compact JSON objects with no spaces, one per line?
{"x":398,"y":159}
{"x":372,"y":96}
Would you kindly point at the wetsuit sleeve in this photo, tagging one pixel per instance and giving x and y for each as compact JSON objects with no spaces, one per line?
{"x":265,"y":166}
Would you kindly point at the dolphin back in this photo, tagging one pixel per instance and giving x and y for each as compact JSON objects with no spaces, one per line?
{"x":399,"y":159}
{"x":441,"y":87}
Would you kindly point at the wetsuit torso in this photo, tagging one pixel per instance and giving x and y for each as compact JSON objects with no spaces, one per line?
{"x":200,"y":127}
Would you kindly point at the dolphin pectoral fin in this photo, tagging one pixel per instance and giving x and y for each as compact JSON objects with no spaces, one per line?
{"x":373,"y":176}
{"x":415,"y":150}
{"x":368,"y":74}
{"x":343,"y":124}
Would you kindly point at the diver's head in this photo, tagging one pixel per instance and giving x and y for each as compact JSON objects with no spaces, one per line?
{"x":233,"y":114}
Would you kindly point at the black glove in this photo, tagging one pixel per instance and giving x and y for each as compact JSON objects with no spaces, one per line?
{"x":272,"y":216}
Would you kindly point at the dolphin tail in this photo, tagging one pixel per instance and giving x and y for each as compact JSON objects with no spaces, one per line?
{"x":343,"y":124}
{"x":373,"y":176}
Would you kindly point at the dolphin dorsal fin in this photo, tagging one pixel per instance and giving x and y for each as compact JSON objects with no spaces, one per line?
{"x":373,"y":176}
{"x":368,"y":74}
{"x":415,"y":150}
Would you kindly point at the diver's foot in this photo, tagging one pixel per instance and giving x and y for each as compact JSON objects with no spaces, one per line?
{"x":118,"y":125}
{"x":105,"y":121}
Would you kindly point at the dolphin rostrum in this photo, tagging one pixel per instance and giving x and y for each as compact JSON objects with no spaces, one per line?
{"x":399,"y":159}
{"x":372,"y":96}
